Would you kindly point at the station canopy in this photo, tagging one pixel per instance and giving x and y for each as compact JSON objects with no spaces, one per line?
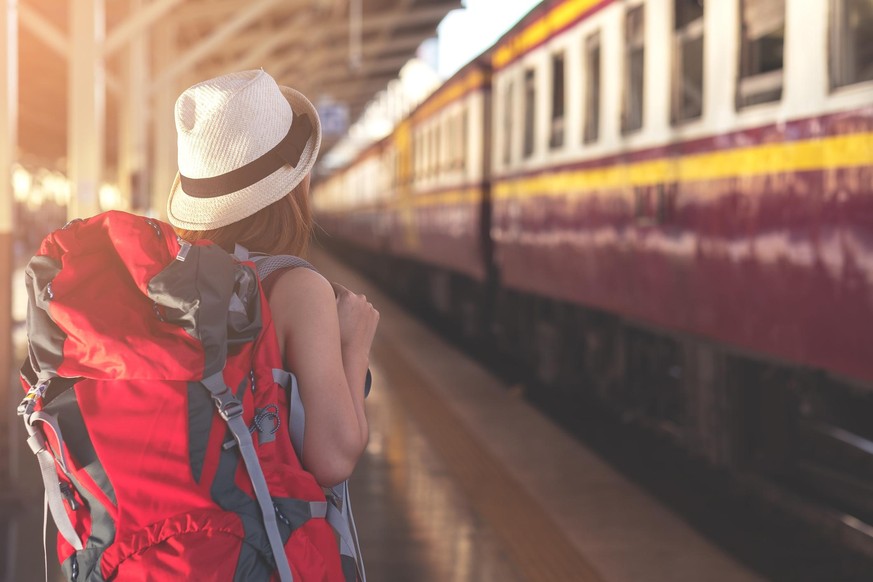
{"x":340,"y":52}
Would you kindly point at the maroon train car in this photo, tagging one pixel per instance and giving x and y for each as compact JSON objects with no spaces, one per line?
{"x":676,"y":218}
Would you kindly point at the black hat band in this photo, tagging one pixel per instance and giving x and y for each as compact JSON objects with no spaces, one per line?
{"x":287,"y":151}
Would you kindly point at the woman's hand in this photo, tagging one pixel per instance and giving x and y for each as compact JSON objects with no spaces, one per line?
{"x":358,"y":320}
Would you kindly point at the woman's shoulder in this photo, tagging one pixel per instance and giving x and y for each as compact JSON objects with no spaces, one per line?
{"x":304,"y":313}
{"x":300,"y":290}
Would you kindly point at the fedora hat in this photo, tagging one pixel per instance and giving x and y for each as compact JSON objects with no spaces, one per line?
{"x":244,"y":142}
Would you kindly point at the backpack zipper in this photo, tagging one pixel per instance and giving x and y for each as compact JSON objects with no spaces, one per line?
{"x":156,"y":228}
{"x":67,"y":491}
{"x":282,"y":516}
{"x":74,"y":568}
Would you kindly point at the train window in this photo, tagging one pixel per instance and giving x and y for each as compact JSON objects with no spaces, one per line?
{"x":456,"y":142}
{"x":422,"y":155}
{"x":530,"y":93}
{"x":556,"y":138}
{"x":452,"y":157}
{"x":632,"y":106}
{"x":439,"y":146}
{"x":592,"y":88}
{"x":687,"y":101}
{"x":452,"y":160}
{"x":851,"y":52}
{"x":461,"y":139}
{"x":428,"y":153}
{"x":507,"y":124}
{"x":392,"y":171}
{"x":762,"y":46}
{"x":422,"y":142}
{"x":447,"y":145}
{"x":437,"y":149}
{"x":445,"y":135}
{"x":425,"y":154}
{"x":414,"y":150}
{"x":462,"y":155}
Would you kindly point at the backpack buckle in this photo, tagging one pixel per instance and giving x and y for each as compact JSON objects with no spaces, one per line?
{"x":184,"y":249}
{"x":228,"y":405}
{"x":231,"y":409}
{"x":28,"y":404}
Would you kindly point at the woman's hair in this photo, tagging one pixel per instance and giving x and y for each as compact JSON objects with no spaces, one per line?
{"x":282,"y":228}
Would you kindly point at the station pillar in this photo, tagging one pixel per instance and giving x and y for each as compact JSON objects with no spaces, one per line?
{"x":133,"y":142}
{"x":86,"y":109}
{"x":164,"y":155}
{"x":8,"y":145}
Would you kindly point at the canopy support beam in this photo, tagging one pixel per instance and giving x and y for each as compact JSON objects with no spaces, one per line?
{"x":140,"y":20}
{"x":211,"y":42}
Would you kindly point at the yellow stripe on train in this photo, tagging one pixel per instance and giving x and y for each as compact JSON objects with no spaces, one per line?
{"x":842,"y":151}
{"x":817,"y":154}
{"x":460,"y":196}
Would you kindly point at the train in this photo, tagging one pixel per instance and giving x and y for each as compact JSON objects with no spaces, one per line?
{"x":665,"y":205}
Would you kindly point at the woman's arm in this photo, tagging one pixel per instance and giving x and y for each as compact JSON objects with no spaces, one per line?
{"x":355,"y":365}
{"x":330,"y":373}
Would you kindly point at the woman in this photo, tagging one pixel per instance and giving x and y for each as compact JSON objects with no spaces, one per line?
{"x":246,"y":148}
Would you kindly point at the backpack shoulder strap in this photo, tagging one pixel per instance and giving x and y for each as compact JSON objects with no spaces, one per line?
{"x":267,"y":264}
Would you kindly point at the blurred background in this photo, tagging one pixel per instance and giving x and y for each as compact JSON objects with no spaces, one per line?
{"x":652,"y":219}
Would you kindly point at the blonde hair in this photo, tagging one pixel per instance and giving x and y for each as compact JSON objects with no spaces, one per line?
{"x":282,"y":228}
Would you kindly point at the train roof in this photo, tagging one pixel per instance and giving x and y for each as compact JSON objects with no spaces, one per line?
{"x":544,"y":21}
{"x":471,"y":76}
{"x":453,"y":88}
{"x":474,"y":75}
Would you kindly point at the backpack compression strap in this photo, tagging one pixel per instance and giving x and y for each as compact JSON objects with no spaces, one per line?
{"x":342,"y":520}
{"x":230,"y":409}
{"x":48,"y":463}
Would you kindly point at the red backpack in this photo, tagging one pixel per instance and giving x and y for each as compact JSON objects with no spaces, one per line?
{"x":133,"y":334}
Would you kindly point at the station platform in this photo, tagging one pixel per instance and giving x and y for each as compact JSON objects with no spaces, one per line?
{"x":464,"y":481}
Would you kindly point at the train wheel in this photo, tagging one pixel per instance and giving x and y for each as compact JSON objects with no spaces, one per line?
{"x":603,"y":356}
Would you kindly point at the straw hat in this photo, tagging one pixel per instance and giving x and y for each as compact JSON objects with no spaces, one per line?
{"x":244,"y":143}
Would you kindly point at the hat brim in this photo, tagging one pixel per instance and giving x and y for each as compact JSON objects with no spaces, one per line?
{"x":192,"y":213}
